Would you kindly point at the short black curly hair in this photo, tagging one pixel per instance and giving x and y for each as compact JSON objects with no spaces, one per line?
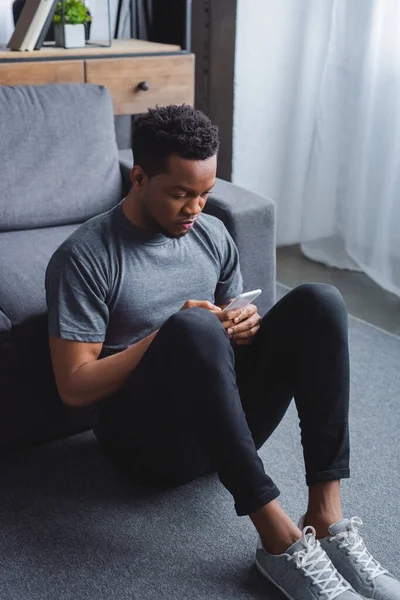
{"x":173,"y":129}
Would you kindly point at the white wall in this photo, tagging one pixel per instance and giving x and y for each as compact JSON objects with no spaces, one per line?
{"x":98,"y":9}
{"x":275,"y":96}
{"x":6,"y":22}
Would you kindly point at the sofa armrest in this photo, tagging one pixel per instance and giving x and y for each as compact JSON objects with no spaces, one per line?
{"x":125,"y":163}
{"x":250,"y":219}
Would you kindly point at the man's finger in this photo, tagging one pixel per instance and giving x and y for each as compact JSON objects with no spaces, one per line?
{"x":245,"y":325}
{"x":226,"y":317}
{"x":245,"y":313}
{"x":207,"y":305}
{"x":245,"y":334}
{"x":229,"y":315}
{"x":230,"y":318}
{"x":210,"y":306}
{"x":201,"y":304}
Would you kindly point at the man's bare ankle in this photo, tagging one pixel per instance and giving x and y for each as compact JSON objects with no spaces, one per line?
{"x":321,"y":522}
{"x":324,"y":506}
{"x":276,"y":529}
{"x":278,"y":546}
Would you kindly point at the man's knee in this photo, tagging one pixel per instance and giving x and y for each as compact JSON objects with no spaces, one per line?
{"x":196,"y":322}
{"x":322,"y":296}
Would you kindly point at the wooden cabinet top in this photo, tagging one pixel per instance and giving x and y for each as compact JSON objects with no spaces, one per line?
{"x":118,"y":48}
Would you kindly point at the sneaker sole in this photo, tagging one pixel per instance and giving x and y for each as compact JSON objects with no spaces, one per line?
{"x":263,"y":572}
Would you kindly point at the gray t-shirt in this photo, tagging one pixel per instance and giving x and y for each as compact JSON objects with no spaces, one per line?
{"x":116,"y":283}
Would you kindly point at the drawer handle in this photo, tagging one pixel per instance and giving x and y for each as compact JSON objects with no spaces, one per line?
{"x":144,"y":86}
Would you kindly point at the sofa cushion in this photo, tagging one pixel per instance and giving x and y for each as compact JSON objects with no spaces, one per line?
{"x":24,"y":256}
{"x":59,"y":155}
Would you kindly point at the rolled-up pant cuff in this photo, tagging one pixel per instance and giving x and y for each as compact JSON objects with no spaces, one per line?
{"x":244,"y":508}
{"x":331,"y":475}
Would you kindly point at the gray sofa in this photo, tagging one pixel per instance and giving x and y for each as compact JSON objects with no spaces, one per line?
{"x":60,"y":166}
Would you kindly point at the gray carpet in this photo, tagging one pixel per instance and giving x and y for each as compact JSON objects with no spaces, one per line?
{"x":72,"y":529}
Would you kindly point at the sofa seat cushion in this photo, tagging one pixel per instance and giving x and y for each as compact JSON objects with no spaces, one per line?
{"x":24,"y":256}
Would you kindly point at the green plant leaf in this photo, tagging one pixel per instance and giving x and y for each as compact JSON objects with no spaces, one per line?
{"x":75,"y":12}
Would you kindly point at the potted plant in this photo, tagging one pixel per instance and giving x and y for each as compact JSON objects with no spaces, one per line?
{"x":70,"y":33}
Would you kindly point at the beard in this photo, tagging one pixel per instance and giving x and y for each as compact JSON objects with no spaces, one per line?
{"x":152,"y":224}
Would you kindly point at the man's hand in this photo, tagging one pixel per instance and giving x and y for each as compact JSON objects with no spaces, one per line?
{"x":202,"y":304}
{"x":241,"y":324}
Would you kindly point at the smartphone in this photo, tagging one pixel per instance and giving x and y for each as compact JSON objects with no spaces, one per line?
{"x":243,"y":300}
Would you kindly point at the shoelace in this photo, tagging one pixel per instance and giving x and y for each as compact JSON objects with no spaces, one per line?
{"x":352,"y":540}
{"x":317,"y":565}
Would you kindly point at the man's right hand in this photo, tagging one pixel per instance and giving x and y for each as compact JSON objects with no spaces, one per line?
{"x":201,"y":304}
{"x":225,"y":317}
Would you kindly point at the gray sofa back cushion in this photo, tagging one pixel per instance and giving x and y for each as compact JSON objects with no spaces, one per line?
{"x":58,"y":155}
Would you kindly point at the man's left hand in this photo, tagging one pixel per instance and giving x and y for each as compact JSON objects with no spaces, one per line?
{"x":244,"y":326}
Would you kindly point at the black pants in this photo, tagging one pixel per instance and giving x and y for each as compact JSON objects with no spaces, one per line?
{"x":196,"y":405}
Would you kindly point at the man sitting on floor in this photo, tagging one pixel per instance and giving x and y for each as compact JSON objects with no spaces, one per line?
{"x":183,"y":388}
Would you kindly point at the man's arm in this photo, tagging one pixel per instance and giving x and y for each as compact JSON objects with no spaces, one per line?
{"x":82,"y":379}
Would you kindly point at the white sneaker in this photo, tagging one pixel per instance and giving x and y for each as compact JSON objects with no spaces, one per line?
{"x":304,"y":571}
{"x":346,"y":549}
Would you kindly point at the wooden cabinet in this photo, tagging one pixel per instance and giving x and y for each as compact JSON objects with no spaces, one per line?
{"x":138,"y":74}
{"x":25,"y":73}
{"x":142,"y":82}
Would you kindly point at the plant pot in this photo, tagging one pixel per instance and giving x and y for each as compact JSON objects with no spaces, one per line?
{"x":70,"y":36}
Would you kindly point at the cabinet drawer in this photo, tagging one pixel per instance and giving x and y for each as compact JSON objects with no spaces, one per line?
{"x":36,"y":73}
{"x":169,"y":79}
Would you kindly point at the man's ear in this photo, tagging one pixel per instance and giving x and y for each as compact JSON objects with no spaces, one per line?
{"x":138,"y":177}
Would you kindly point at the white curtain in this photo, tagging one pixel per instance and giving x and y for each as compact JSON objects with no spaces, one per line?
{"x":351,"y":200}
{"x":317,"y":126}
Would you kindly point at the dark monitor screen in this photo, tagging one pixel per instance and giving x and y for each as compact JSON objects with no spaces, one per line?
{"x":171,"y":22}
